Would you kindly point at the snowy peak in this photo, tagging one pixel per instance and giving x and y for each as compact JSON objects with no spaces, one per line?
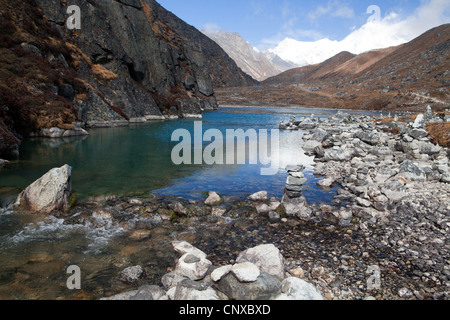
{"x":255,"y":63}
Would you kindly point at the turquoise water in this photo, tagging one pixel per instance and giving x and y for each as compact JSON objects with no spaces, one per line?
{"x":35,"y":251}
{"x":136,"y":160}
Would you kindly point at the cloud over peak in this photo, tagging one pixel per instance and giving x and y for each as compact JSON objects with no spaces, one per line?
{"x":378,"y":32}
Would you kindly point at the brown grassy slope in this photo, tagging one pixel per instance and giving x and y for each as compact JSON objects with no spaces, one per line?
{"x":368,"y":81}
{"x":26,"y":77}
{"x":440,"y":132}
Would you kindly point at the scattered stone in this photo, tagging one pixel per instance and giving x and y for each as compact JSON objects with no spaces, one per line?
{"x":245,"y":272}
{"x":184,"y":247}
{"x":296,"y":207}
{"x":131,"y":274}
{"x":220,"y":272}
{"x":266,"y":287}
{"x":189,"y":290}
{"x":213,"y":199}
{"x":297,"y":289}
{"x":405,"y":293}
{"x":259,"y":196}
{"x":273,"y":215}
{"x":178,"y":208}
{"x":267,"y":258}
{"x":102,"y":214}
{"x":418,"y":133}
{"x":218,"y":212}
{"x":150,"y":293}
{"x":193,"y":270}
{"x":325,"y":183}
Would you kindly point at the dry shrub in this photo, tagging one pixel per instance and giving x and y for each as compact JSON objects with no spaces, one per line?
{"x":440,"y":133}
{"x":102,"y":73}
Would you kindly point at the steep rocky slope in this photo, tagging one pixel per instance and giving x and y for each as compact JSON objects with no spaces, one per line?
{"x":131,"y":60}
{"x":252,"y":62}
{"x":408,"y":77}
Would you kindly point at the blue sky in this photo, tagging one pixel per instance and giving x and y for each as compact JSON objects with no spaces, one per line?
{"x":264,"y":23}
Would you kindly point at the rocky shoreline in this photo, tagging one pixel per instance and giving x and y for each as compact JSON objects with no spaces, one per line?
{"x":384,"y":237}
{"x":392,"y":214}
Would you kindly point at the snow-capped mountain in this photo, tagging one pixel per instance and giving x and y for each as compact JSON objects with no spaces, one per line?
{"x":373,"y":35}
{"x":260,"y":65}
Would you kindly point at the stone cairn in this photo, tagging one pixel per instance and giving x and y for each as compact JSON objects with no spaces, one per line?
{"x":258,"y":274}
{"x":294,"y":202}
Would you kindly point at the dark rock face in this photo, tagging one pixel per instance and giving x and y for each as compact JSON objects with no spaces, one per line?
{"x":160,"y":61}
{"x":131,"y":59}
{"x":9,"y":144}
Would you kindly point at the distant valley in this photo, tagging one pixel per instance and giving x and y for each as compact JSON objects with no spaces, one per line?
{"x":406,"y":77}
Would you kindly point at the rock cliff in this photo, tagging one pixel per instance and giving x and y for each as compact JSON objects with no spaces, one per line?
{"x":130,"y":61}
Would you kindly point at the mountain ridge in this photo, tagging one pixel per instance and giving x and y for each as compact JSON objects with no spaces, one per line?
{"x":410,"y":76}
{"x":255,"y":63}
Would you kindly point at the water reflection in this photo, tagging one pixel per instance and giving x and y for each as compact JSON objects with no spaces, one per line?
{"x":137,"y":160}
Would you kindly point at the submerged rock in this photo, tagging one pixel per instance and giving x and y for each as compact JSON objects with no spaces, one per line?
{"x":49,"y":193}
{"x":131,"y":274}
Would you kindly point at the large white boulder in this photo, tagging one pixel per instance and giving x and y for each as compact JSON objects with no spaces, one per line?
{"x":49,"y":193}
{"x":266,"y":257}
{"x":193,"y":267}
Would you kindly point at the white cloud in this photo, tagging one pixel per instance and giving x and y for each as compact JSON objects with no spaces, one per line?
{"x":392,"y":30}
{"x":211,"y":27}
{"x":344,"y":12}
{"x":334,"y":8}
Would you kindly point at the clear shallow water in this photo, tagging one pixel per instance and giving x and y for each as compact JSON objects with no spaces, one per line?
{"x":36,"y":251}
{"x":137,"y":160}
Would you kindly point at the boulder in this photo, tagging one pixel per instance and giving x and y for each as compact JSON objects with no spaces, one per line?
{"x":183,"y":247}
{"x":213,"y":199}
{"x":310,"y":146}
{"x":319,"y":135}
{"x":418,"y":133}
{"x":325,"y":183}
{"x":266,"y":287}
{"x":49,"y":193}
{"x":294,"y":181}
{"x":189,"y":290}
{"x":266,"y":257}
{"x":131,"y":274}
{"x":171,"y":279}
{"x":338,"y":155}
{"x":259,"y":196}
{"x":150,"y":293}
{"x":298,"y":168}
{"x":428,"y":148}
{"x":394,"y":190}
{"x":297,"y":289}
{"x":419,"y":122}
{"x":246,"y":272}
{"x":410,"y":171}
{"x":372,"y":138}
{"x":221,"y":272}
{"x":178,"y":208}
{"x":296,"y":207}
{"x":307,"y":124}
{"x":193,"y":267}
{"x":264,"y":208}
